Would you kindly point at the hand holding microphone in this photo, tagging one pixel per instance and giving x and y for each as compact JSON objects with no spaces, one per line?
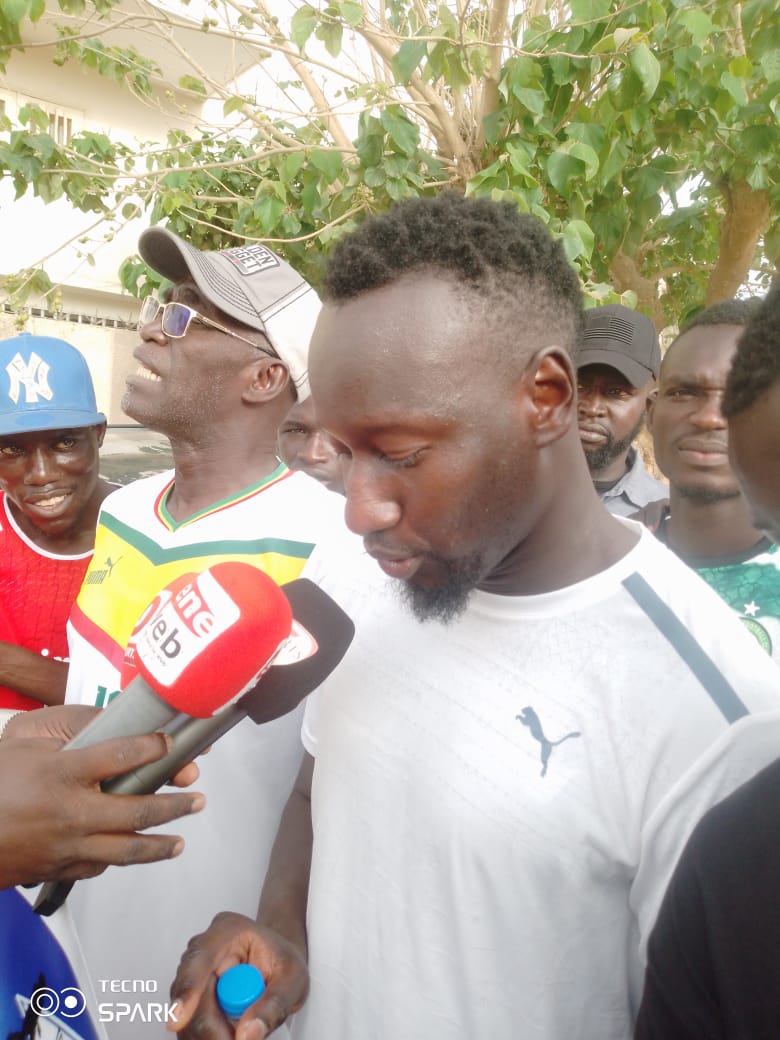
{"x":199,"y":646}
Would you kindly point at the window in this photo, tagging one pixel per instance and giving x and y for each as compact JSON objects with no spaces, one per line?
{"x":63,"y":122}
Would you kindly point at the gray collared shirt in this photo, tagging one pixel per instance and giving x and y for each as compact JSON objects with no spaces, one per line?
{"x":634,"y":489}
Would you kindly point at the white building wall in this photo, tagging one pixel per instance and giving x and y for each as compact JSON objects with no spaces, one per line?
{"x":35,"y":234}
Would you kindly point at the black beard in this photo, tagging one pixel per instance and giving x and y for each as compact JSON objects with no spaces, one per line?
{"x":447,"y":601}
{"x":599,"y":458}
{"x":706,"y":494}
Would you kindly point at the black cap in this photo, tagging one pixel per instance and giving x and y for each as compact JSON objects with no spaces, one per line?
{"x":623,"y":339}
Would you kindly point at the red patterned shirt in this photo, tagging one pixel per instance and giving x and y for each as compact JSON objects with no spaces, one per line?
{"x":37,"y":590}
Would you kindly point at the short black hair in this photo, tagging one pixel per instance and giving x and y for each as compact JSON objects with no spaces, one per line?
{"x":724,"y":312}
{"x":756,"y":364}
{"x":508,"y":257}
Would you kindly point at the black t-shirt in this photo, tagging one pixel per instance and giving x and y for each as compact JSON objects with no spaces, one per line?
{"x":714,"y":954}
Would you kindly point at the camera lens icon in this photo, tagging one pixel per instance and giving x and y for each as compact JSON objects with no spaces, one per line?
{"x":69,"y":1002}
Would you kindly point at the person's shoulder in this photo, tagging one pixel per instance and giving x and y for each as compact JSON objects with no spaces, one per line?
{"x":731,"y":830}
{"x":143,"y":490}
{"x":682,"y":590}
{"x":341,"y":566}
{"x":309,"y":508}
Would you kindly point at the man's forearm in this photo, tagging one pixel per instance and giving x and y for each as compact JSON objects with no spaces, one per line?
{"x":31,"y":674}
{"x":285,"y":892}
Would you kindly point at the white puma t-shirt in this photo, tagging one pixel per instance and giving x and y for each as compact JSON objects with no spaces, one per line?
{"x":498,"y":803}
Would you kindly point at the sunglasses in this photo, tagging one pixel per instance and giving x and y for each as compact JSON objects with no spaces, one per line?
{"x":177,"y":318}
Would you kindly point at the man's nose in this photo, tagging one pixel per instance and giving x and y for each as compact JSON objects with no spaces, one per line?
{"x":708,"y":414}
{"x":318,"y":447}
{"x":369,"y":508}
{"x":590,"y":402}
{"x":152,"y":331}
{"x":40,"y":468}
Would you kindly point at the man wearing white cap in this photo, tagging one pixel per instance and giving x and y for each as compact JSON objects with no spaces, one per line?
{"x":220,"y":363}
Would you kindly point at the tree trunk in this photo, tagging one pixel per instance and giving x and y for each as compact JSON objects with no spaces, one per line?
{"x":626,"y":275}
{"x":744,"y":221}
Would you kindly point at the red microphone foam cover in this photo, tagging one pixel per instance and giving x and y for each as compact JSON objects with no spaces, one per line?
{"x":207,"y":636}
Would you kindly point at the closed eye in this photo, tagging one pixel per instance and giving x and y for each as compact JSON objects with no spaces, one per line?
{"x":406,"y":462}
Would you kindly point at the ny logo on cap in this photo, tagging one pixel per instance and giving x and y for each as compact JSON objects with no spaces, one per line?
{"x":34,"y":376}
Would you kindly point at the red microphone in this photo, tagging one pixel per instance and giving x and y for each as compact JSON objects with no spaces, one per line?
{"x":188,"y":658}
{"x":203,"y":640}
{"x":190,"y":644}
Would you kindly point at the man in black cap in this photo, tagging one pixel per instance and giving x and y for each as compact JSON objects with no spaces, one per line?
{"x":617,"y":365}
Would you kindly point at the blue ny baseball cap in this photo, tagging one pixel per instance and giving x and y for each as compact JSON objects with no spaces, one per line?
{"x":44,"y":385}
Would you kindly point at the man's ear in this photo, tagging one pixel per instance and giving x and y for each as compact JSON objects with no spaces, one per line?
{"x":266,"y":378}
{"x":100,"y":432}
{"x":551,"y":383}
{"x":651,"y":399}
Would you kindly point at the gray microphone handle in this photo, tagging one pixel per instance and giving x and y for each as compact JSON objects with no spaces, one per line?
{"x":190,"y":737}
{"x":136,"y":710}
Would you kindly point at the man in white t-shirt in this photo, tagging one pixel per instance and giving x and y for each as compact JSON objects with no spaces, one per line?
{"x":540,"y":699}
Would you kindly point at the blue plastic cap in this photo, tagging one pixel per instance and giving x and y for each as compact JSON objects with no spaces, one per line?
{"x":239,"y":988}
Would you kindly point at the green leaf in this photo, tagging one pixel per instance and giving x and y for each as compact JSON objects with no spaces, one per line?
{"x":759,"y":142}
{"x":374,"y":176}
{"x":351,"y":12}
{"x":331,"y":34}
{"x":563,"y":168}
{"x":328,"y":163}
{"x":403,"y":133}
{"x":735,"y":87}
{"x":533,"y":100}
{"x":493,"y":125}
{"x":290,"y":166}
{"x":14,"y":10}
{"x":624,"y":36}
{"x":615,"y":161}
{"x":302,"y":25}
{"x":197,"y":86}
{"x":770,"y":64}
{"x":561,"y":69}
{"x":589,"y":10}
{"x":580,"y":150}
{"x":519,"y":158}
{"x":397,"y":189}
{"x":758,"y":178}
{"x":648,"y":69}
{"x":408,"y":58}
{"x":34,"y":116}
{"x":233,"y":104}
{"x":268,"y":211}
{"x":578,"y":239}
{"x":741,"y":67}
{"x":590,"y":133}
{"x":697,"y":23}
{"x":37,"y":7}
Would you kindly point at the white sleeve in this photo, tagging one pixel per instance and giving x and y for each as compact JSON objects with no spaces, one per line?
{"x":310,"y":719}
{"x":745,"y":748}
